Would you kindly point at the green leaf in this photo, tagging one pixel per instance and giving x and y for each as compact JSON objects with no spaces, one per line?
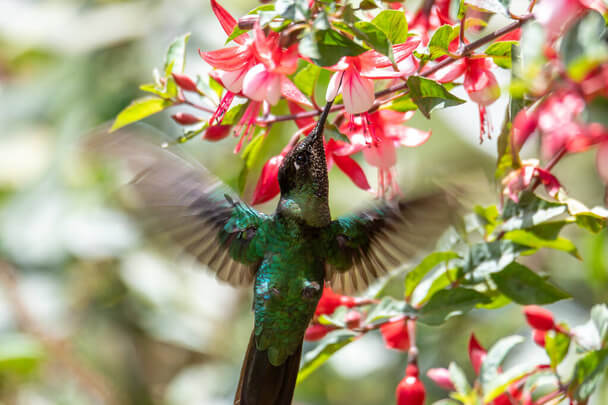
{"x":139,"y":109}
{"x":449,"y":303}
{"x":252,"y":156}
{"x":483,"y":259}
{"x":234,"y":114}
{"x":599,"y":316}
{"x":175,"y":59}
{"x":530,"y":211}
{"x":583,"y":47}
{"x":556,"y":346}
{"x":502,"y":381}
{"x":413,"y":278}
{"x":589,"y":372}
{"x":330,"y":344}
{"x":337,"y":318}
{"x":393,"y":24}
{"x":388,"y":308}
{"x":487,"y":218}
{"x":428,"y":288}
{"x":501,"y":53}
{"x":306,"y":79}
{"x":459,"y":379}
{"x":373,"y":37}
{"x":430,"y":95}
{"x":525,"y":287}
{"x":294,"y":10}
{"x":401,"y":104}
{"x":508,"y":155}
{"x":526,"y":238}
{"x":441,"y":40}
{"x":491,"y":364}
{"x":327,"y":47}
{"x":490,"y":6}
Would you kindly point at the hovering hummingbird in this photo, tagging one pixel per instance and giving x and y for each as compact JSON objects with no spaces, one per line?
{"x":286,"y":256}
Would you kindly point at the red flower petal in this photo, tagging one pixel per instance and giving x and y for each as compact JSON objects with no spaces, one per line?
{"x":476,"y":353}
{"x":524,"y":125}
{"x":268,"y":183}
{"x":539,"y":318}
{"x":353,"y":171}
{"x":551,"y":183}
{"x":329,"y":302}
{"x":185,"y":118}
{"x":407,"y":136}
{"x":184,"y":82}
{"x":395,"y":335}
{"x":230,"y":58}
{"x":227,"y":21}
{"x":539,"y":337}
{"x":292,"y":93}
{"x":302,"y":123}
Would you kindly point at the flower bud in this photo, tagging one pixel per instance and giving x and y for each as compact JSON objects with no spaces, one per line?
{"x":539,"y":318}
{"x":539,"y":337}
{"x":477,"y":353}
{"x":216,"y":132}
{"x":316,"y":331}
{"x":441,"y":377}
{"x":185,"y":118}
{"x":410,"y":390}
{"x":353,"y":319}
{"x":184,"y":82}
{"x":330,"y":301}
{"x":395,"y":335}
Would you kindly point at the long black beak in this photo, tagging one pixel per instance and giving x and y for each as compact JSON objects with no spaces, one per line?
{"x":318,"y":130}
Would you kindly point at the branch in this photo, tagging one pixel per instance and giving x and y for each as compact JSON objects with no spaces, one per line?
{"x":466,"y":50}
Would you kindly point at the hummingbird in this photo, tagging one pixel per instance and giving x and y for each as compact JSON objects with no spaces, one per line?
{"x":286,"y":257}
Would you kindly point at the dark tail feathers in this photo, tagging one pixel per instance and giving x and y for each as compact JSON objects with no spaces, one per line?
{"x":261,"y":383}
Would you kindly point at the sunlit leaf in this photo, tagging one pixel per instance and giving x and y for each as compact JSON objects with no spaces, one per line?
{"x":330,"y":344}
{"x":490,"y":368}
{"x":139,"y":109}
{"x":430,"y":95}
{"x":449,"y":303}
{"x":414,"y":276}
{"x":175,"y":59}
{"x":393,"y":24}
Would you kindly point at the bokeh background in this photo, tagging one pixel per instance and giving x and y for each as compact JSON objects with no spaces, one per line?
{"x":92,"y":312}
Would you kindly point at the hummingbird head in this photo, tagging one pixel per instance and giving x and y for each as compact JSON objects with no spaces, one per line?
{"x":303,"y":178}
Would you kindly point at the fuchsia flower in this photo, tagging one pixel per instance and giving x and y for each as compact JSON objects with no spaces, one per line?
{"x":438,"y":15}
{"x":388,"y":132}
{"x":256,"y":68}
{"x":520,"y":179}
{"x":356,"y":74}
{"x":268,"y":183}
{"x":396,"y":335}
{"x":441,"y":377}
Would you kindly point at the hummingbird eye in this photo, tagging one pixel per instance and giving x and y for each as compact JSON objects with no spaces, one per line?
{"x":302,"y":158}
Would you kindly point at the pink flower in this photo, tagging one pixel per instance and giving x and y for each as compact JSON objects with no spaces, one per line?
{"x":387,"y":132}
{"x":520,"y":179}
{"x":556,"y":15}
{"x":482,"y":87}
{"x":355,"y":73}
{"x":438,"y":15}
{"x":346,"y":164}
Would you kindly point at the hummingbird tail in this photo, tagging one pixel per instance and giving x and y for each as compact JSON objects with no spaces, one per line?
{"x":261,"y":383}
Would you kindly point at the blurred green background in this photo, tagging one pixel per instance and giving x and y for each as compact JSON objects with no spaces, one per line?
{"x":91,"y":312}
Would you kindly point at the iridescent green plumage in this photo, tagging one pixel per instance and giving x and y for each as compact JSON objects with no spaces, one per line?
{"x":287,"y":256}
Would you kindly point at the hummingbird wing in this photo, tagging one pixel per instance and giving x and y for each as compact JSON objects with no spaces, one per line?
{"x":179,"y":198}
{"x":367,"y":245}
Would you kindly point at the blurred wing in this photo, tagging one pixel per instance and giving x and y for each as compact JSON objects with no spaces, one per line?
{"x":173,"y":196}
{"x":367,"y":245}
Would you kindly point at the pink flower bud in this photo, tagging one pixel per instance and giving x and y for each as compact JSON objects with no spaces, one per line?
{"x":216,"y":132}
{"x":316,"y":331}
{"x":185,"y":118}
{"x":539,"y":318}
{"x":480,"y":83}
{"x":268,"y":184}
{"x":477,"y":353}
{"x":330,"y":301}
{"x":184,"y":82}
{"x":410,"y":390}
{"x":441,"y":377}
{"x":539,"y":337}
{"x":395,"y":335}
{"x":353,"y":319}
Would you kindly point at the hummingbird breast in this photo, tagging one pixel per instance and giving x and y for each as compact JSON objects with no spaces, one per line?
{"x":287,"y":288}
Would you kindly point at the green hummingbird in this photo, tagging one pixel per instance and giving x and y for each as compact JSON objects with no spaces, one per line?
{"x":286,"y":256}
